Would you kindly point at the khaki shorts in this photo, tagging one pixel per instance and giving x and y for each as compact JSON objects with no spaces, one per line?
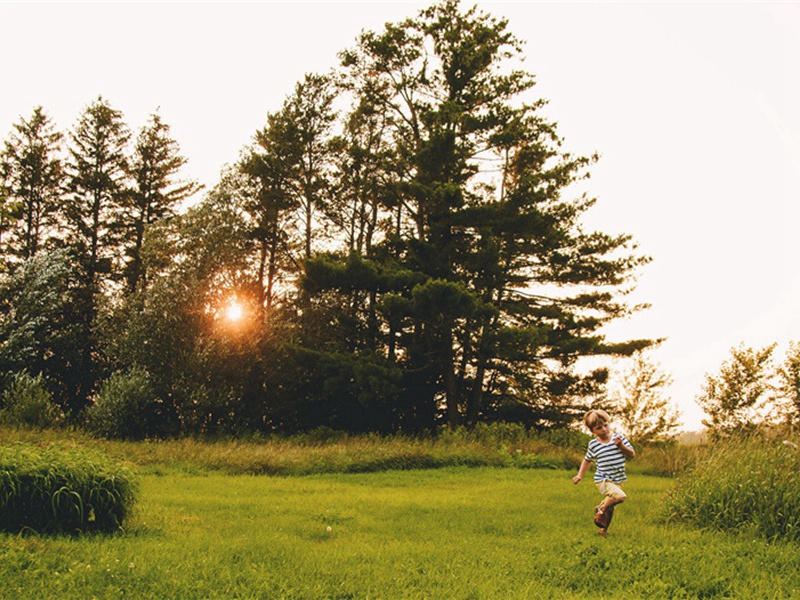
{"x":611,"y":489}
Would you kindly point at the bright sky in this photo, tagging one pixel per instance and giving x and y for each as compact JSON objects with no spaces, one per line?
{"x":694,"y":108}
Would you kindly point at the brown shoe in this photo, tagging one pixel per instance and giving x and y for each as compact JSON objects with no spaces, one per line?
{"x":602,"y":518}
{"x":599,"y":517}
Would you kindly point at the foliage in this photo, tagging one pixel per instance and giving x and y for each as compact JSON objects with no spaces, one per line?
{"x":789,"y":384}
{"x":156,"y":192}
{"x":39,"y":323}
{"x":63,"y":489}
{"x":744,"y":482}
{"x":487,"y":254}
{"x":735,"y":399}
{"x":640,"y":406}
{"x":28,"y":403}
{"x":125,"y":407}
{"x":32,"y":170}
{"x":404,"y":237}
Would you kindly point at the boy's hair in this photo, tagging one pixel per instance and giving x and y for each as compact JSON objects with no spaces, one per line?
{"x":593,"y":418}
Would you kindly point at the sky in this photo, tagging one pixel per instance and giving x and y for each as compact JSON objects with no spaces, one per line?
{"x":694,"y":109}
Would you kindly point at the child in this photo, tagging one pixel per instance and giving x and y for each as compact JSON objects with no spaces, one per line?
{"x":609,"y":450}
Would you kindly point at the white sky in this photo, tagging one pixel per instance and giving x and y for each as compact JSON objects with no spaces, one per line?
{"x":694,"y":108}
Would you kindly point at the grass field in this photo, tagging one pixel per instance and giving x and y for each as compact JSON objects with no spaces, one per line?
{"x":444,"y":533}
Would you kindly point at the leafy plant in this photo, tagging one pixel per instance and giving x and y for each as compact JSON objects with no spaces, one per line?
{"x":27,"y":402}
{"x":125,"y":406}
{"x":63,"y":489}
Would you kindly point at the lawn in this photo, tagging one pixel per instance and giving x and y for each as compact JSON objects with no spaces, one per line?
{"x":443,"y":533}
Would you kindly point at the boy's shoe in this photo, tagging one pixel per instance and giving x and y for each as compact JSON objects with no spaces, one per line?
{"x":599,"y":517}
{"x":602,"y":518}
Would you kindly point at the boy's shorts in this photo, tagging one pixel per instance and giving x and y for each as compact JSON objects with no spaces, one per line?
{"x":611,"y":489}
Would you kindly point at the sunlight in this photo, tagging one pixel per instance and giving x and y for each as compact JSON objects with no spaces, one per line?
{"x":234,"y":311}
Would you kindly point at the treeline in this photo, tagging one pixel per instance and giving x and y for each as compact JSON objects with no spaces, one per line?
{"x":399,"y":248}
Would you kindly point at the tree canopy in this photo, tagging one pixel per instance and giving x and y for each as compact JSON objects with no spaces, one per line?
{"x":402,"y":241}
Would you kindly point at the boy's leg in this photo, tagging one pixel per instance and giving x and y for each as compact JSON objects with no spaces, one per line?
{"x":605,"y":510}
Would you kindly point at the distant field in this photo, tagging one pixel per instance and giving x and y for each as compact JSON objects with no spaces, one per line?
{"x":444,"y":533}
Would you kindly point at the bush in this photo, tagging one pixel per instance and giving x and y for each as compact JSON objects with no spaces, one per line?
{"x":28,"y":403}
{"x":125,"y":407}
{"x":62,"y":489}
{"x":752,"y":483}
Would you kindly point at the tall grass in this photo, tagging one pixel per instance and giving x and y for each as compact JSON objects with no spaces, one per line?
{"x":63,"y":489}
{"x":751,"y":482}
{"x":328,"y":451}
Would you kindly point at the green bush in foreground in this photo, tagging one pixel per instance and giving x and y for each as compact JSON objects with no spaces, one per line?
{"x":62,"y":489}
{"x":749,"y":483}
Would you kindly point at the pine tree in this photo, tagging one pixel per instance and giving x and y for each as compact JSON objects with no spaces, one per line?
{"x":489,"y":288}
{"x":34,"y":176}
{"x":156,"y":191}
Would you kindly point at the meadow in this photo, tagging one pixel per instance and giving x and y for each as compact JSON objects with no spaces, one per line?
{"x":452,"y":532}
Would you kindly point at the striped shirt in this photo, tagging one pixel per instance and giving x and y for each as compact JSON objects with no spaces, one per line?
{"x":610,"y":459}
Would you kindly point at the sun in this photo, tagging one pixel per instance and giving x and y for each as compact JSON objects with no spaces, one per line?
{"x":234,"y":311}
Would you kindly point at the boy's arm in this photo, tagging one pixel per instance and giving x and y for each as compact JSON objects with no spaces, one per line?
{"x":582,"y":471}
{"x":626,"y":449}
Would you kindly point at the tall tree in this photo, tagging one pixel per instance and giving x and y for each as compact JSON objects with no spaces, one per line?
{"x":34,"y":176}
{"x":506,"y":290}
{"x":97,"y":171}
{"x":271,"y":164}
{"x":94,"y":213}
{"x":310,"y":111}
{"x":156,"y":191}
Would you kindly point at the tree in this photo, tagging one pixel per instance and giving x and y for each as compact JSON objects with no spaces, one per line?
{"x":789,"y":383}
{"x":40,"y":323}
{"x":736,"y":397}
{"x":271,"y":165}
{"x":97,"y":171}
{"x":33,"y":172}
{"x":640,"y":405}
{"x":156,"y":192}
{"x":94,"y":214}
{"x":488,"y":288}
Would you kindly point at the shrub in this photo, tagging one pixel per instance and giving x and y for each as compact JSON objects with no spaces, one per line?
{"x":62,"y":489}
{"x":27,"y":402}
{"x":125,"y":406}
{"x":750,"y":482}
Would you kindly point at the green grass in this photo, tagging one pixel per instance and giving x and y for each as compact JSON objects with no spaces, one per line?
{"x":327,"y":452}
{"x":62,"y":489}
{"x":742,"y":483}
{"x":446,"y":533}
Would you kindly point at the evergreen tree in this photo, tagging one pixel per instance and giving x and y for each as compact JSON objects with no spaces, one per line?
{"x":94,"y":213}
{"x":156,"y":193}
{"x":489,"y":289}
{"x":271,"y":164}
{"x":34,"y":178}
{"x":97,"y":179}
{"x":310,"y":116}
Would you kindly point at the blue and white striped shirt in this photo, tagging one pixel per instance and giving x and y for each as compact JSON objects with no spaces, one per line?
{"x":610,"y":459}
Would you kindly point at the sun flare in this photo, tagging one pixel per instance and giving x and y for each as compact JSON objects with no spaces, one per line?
{"x":234,"y":311}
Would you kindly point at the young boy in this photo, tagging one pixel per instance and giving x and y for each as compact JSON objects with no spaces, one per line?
{"x":610,"y":451}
